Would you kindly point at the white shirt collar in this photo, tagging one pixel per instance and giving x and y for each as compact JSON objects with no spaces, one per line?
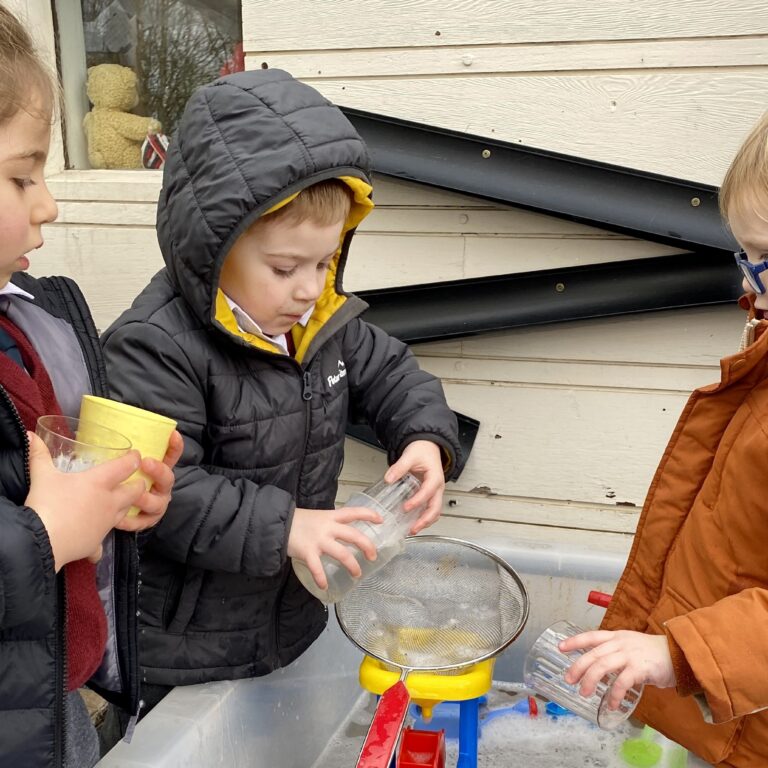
{"x":248,"y":325}
{"x":9,"y":289}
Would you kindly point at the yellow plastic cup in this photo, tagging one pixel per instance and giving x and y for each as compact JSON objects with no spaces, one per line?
{"x":148,"y":432}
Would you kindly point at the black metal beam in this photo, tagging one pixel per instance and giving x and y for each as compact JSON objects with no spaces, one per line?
{"x":465,"y":307}
{"x":680,"y":213}
{"x":649,"y":206}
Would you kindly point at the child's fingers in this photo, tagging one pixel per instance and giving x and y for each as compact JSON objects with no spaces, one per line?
{"x":315,"y":567}
{"x":116,"y":471}
{"x":131,"y":524}
{"x":127,"y":494}
{"x":432,"y":482}
{"x":175,"y":449}
{"x":576,"y":671}
{"x":397,"y":470}
{"x":160,"y":475}
{"x":350,"y":514}
{"x":152,"y":506}
{"x":430,"y":514}
{"x":356,"y":538}
{"x":434,"y":508}
{"x":139,"y":522}
{"x":621,"y":685}
{"x":585,"y":640}
{"x":599,"y":669}
{"x":584,"y":662}
{"x":341,"y":553}
{"x":422,"y":496}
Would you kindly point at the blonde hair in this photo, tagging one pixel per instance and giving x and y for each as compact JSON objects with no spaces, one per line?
{"x":23,"y":75}
{"x":323,"y":203}
{"x":746,"y":180}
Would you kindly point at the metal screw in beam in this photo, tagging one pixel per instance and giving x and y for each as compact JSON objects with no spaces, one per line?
{"x":486,"y":153}
{"x":559,"y":287}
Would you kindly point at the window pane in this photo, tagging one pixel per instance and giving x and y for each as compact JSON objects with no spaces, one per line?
{"x":173,"y":46}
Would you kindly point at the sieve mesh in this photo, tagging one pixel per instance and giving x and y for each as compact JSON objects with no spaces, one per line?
{"x":442,"y":603}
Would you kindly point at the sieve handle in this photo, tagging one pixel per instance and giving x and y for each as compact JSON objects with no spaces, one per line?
{"x":381,"y":740}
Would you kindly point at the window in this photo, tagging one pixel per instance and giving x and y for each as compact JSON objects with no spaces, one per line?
{"x":172,"y":47}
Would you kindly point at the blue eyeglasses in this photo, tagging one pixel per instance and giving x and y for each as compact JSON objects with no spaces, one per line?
{"x":751,"y":271}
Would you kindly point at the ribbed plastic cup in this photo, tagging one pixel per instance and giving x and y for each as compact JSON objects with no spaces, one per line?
{"x":544,"y":672}
{"x":387,"y":499}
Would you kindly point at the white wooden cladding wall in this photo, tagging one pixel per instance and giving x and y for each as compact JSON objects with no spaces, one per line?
{"x":670,"y":88}
{"x":574,"y":417}
{"x":415,"y":235}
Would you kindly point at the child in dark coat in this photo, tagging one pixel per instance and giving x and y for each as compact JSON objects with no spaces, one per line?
{"x":56,"y":634}
{"x":248,"y":339}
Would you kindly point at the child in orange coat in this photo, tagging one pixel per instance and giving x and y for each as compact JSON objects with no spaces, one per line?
{"x":689,"y":616}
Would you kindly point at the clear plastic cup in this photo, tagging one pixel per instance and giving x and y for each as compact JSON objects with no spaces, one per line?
{"x":387,"y":499}
{"x":77,"y":445}
{"x":544,"y":670}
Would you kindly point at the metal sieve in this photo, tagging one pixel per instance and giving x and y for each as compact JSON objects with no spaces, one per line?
{"x":440,"y":605}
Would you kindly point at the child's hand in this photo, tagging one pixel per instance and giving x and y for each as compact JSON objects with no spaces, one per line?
{"x":423,"y":459}
{"x":636,"y":657}
{"x":78,"y":509}
{"x":316,"y":532}
{"x":154,"y":502}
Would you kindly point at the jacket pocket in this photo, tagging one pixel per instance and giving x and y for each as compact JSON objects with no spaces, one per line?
{"x":680,"y":717}
{"x":181,"y":600}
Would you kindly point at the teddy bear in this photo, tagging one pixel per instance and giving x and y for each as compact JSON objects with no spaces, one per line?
{"x":114,"y":135}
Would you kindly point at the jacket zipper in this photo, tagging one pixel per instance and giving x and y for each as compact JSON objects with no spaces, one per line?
{"x":306,"y":396}
{"x":132,"y":608}
{"x":60,"y":721}
{"x":22,"y":432}
{"x":61,"y":670}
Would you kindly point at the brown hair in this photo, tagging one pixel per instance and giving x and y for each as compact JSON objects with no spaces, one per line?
{"x":323,"y":203}
{"x":746,"y":180}
{"x":23,"y":75}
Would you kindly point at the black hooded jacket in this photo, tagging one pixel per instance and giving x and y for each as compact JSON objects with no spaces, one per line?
{"x":32,"y":596}
{"x":263,"y":432}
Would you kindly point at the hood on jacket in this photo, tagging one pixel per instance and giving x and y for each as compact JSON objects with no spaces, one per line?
{"x":247,"y":144}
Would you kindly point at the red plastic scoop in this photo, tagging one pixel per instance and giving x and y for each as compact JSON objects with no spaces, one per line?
{"x":382,"y":736}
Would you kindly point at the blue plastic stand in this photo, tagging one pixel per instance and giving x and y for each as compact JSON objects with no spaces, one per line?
{"x":460,"y":720}
{"x":469,"y":727}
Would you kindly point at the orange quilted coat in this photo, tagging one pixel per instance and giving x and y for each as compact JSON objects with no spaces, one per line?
{"x":698,"y":569}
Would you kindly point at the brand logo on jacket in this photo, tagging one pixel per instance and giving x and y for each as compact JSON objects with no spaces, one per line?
{"x":335,"y":378}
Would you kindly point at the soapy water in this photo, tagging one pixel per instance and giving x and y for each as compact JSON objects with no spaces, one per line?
{"x":545,"y":741}
{"x":513,"y":740}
